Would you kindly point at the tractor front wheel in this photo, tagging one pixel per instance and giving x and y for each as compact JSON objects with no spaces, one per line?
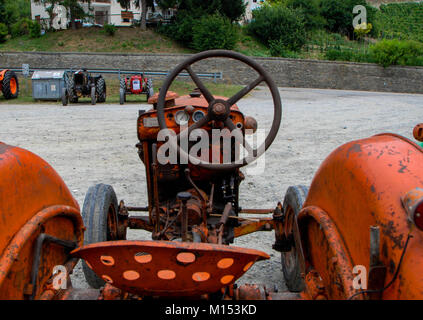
{"x":93,"y":95}
{"x":294,"y":199}
{"x":150,"y":89}
{"x":10,"y":85}
{"x":122,"y":97}
{"x":100,"y":215}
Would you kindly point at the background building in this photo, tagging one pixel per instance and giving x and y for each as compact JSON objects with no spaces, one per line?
{"x":103,"y":11}
{"x":251,"y":5}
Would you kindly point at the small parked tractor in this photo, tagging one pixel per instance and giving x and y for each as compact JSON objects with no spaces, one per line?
{"x":363,"y":211}
{"x":83,"y":84}
{"x":9,"y":84}
{"x":137,"y":84}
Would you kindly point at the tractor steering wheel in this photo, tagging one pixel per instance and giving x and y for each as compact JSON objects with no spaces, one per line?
{"x":219,"y":109}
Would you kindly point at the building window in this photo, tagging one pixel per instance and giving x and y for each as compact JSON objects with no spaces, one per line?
{"x":127,"y":16}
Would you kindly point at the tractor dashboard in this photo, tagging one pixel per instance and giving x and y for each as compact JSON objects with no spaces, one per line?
{"x":182,"y":112}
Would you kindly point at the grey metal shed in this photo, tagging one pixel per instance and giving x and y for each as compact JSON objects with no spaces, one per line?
{"x":48,"y":84}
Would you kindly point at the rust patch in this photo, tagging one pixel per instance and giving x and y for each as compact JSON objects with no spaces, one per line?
{"x":385,"y":250}
{"x":403,"y":167}
{"x":391,"y":266}
{"x":389,"y":230}
{"x":354,"y":148}
{"x":4,"y":147}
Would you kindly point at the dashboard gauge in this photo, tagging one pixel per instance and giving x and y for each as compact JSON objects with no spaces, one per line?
{"x":181,"y":118}
{"x":198,"y":115}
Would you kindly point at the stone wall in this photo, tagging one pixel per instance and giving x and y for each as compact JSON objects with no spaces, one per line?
{"x":285,"y":72}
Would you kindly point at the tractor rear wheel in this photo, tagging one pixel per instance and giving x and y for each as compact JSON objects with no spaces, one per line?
{"x":100,"y":215}
{"x":294,"y":199}
{"x":93,"y":95}
{"x":64,"y":97}
{"x":10,"y":85}
{"x":71,"y":90}
{"x":100,"y":88}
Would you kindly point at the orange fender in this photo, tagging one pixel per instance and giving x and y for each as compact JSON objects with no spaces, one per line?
{"x":33,"y":200}
{"x":2,"y":72}
{"x":360,"y":185}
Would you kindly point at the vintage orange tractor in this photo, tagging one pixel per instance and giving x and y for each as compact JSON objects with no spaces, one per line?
{"x":356,"y":233}
{"x":9,"y":84}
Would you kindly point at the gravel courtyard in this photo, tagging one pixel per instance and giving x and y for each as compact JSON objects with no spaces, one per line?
{"x":92,"y":144}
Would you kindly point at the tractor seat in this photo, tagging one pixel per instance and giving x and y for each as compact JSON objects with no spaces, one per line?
{"x":168,"y":268}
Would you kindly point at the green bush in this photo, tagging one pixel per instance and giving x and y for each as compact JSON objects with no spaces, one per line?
{"x":20,"y":28}
{"x":273,"y":23}
{"x":277,"y":49}
{"x":339,"y":14}
{"x":34,"y":29}
{"x":110,"y":29}
{"x":392,"y":52}
{"x":338,"y":54}
{"x":3,"y":32}
{"x":214,"y":32}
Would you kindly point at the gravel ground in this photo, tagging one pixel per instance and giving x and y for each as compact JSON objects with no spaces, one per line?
{"x":96,"y":144}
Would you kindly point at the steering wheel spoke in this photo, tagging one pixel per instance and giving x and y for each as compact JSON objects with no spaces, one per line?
{"x":238,"y":96}
{"x":206,"y":93}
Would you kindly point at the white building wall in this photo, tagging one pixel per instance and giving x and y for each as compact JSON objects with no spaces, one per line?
{"x":37,"y":9}
{"x":251,"y":5}
{"x":112,"y":9}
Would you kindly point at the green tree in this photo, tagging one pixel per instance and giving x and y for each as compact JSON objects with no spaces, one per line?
{"x":279,"y":26}
{"x":2,"y":12}
{"x":311,"y":11}
{"x":214,"y":32}
{"x":12,"y":11}
{"x":3,"y":32}
{"x":339,"y":14}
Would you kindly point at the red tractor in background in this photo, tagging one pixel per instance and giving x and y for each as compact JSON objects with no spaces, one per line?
{"x":9,"y":84}
{"x":136,"y":84}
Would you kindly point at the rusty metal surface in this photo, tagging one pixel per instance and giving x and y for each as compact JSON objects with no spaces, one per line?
{"x":151,"y":130}
{"x":28,"y":184}
{"x":250,"y":226}
{"x":418,"y":132}
{"x":16,"y":261}
{"x":2,"y":72}
{"x":358,"y":186}
{"x":168,"y":268}
{"x":256,"y":211}
{"x":251,"y":292}
{"x":327,"y":253}
{"x":170,"y":95}
{"x":315,"y":286}
{"x":31,"y":192}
